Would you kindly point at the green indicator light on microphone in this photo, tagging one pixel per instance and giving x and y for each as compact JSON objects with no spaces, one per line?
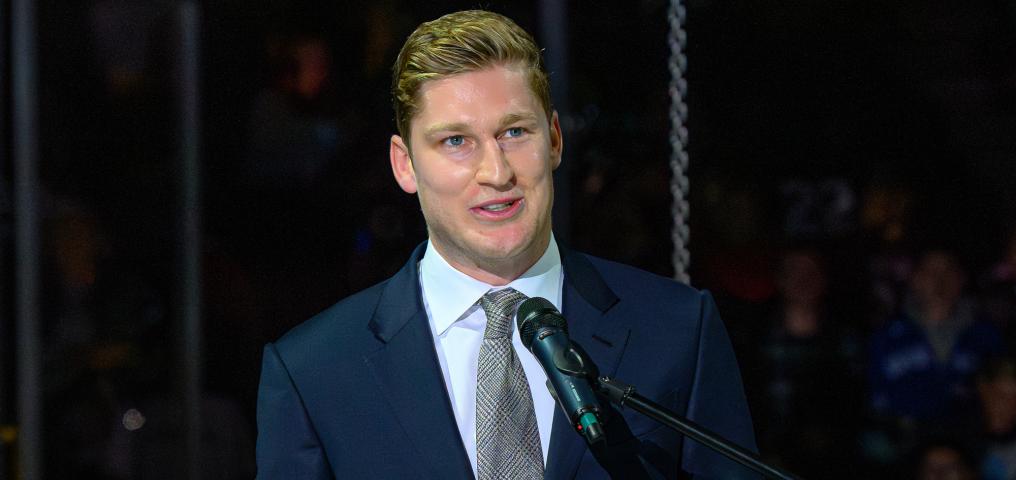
{"x":590,"y":426}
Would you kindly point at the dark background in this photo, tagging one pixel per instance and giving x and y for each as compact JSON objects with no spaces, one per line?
{"x":859,"y":129}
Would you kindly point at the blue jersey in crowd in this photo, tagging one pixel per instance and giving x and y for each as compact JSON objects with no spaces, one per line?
{"x":907,"y":380}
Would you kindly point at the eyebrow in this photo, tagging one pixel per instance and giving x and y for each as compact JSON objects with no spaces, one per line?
{"x":444,"y":127}
{"x":517,"y":117}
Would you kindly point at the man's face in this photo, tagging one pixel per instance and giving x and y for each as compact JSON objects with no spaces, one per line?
{"x":481,"y":159}
{"x":939,"y":279}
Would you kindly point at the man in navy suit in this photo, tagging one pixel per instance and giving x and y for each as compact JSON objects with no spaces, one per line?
{"x":384,"y":383}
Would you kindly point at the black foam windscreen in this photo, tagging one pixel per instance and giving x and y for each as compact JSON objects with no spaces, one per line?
{"x":535,"y":313}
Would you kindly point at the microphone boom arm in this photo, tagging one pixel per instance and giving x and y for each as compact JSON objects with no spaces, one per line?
{"x":624,"y":395}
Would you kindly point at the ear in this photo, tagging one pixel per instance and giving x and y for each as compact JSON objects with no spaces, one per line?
{"x":402,"y":164}
{"x":556,"y":141}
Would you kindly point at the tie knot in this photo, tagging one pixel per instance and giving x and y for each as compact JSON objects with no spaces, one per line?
{"x":500,"y":305}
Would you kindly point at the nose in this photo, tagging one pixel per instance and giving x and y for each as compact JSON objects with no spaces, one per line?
{"x":495,"y":168}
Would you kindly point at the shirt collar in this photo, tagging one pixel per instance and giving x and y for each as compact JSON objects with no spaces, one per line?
{"x":451,"y":294}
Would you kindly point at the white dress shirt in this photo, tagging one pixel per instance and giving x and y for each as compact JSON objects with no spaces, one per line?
{"x":457,"y":322}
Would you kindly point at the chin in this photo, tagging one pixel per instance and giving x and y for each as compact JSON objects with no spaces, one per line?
{"x":506,"y":245}
{"x":499,"y":251}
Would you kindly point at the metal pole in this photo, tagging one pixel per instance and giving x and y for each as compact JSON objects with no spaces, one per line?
{"x":26,"y":237}
{"x":4,"y":231}
{"x":5,"y":387}
{"x":554,"y":33}
{"x":189,"y":229}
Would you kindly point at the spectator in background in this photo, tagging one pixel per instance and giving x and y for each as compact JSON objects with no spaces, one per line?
{"x":922,"y":362}
{"x":108,"y":379}
{"x":886,"y":218}
{"x":807,"y":379}
{"x":996,"y":423}
{"x":292,"y":137}
{"x":944,"y":460}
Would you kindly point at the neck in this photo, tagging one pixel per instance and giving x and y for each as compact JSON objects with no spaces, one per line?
{"x":496,"y":272}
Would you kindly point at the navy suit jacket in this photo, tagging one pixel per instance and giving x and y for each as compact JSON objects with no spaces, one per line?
{"x":357,"y":391}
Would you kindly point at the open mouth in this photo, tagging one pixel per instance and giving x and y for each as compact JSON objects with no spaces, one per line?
{"x":499,"y":210}
{"x":497,"y":207}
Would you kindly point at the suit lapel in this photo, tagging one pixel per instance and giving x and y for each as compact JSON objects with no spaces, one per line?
{"x":586,"y":302}
{"x":408,"y":373}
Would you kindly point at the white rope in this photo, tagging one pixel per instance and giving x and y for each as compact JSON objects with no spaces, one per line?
{"x":677,"y":64}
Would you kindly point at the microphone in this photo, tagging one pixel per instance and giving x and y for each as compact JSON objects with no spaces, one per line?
{"x":545,"y":333}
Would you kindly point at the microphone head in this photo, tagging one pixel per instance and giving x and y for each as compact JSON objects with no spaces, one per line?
{"x":535,"y":313}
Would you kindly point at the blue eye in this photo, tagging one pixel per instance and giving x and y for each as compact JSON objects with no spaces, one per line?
{"x":515,"y":132}
{"x":455,"y":141}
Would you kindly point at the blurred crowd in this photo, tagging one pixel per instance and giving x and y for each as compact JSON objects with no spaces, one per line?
{"x":913,"y":379}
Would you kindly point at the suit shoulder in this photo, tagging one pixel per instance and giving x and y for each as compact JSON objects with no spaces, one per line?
{"x":347,"y":318}
{"x":631,"y":282}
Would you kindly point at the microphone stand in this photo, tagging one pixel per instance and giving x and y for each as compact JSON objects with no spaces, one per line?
{"x":574,"y":361}
{"x":625,"y":396}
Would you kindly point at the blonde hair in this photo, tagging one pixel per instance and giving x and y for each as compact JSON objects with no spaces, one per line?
{"x":463,"y":42}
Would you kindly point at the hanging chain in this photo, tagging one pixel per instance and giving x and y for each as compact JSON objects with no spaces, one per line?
{"x":677,"y":40}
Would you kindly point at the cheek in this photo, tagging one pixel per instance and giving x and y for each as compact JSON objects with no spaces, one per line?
{"x":445,"y":180}
{"x":538,"y":166}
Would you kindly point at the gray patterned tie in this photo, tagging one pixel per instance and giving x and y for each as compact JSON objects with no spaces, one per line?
{"x":507,"y":438}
